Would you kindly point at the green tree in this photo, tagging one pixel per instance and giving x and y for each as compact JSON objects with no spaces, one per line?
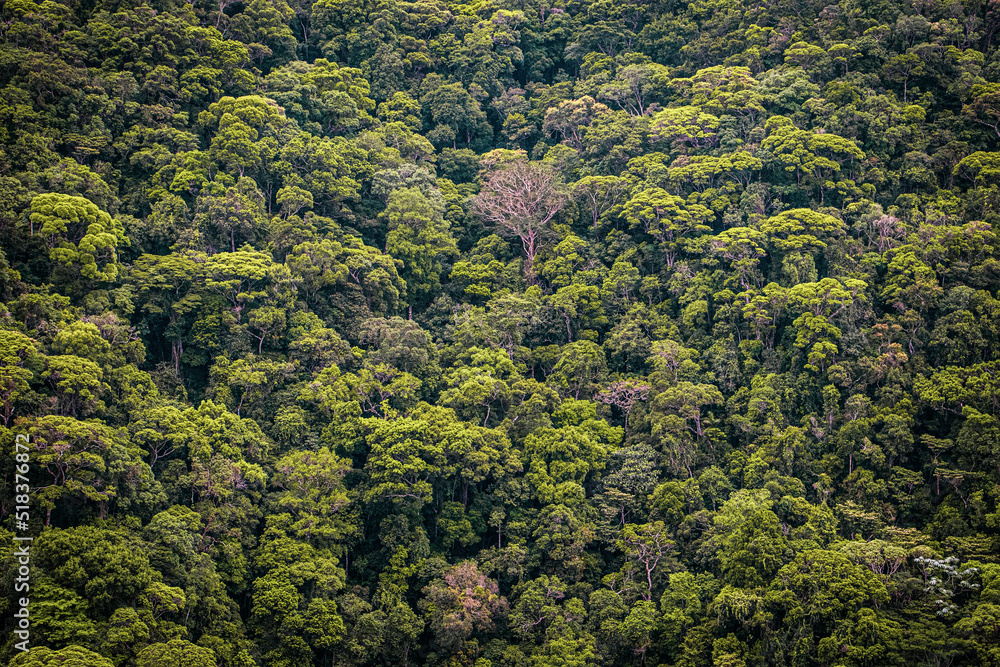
{"x":581,"y":368}
{"x":71,"y":656}
{"x":666,"y":218}
{"x":82,"y":239}
{"x":311,"y":490}
{"x":176,"y":652}
{"x":419,"y":236}
{"x":86,"y":461}
{"x":753,"y":552}
{"x":19,"y":362}
{"x":819,"y":158}
{"x":454,"y":114}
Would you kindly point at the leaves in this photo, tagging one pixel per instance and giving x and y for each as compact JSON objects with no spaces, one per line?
{"x":414,"y":332}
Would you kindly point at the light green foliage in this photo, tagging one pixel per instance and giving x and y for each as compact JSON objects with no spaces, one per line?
{"x":348,"y":279}
{"x":686,"y":127}
{"x":580,"y":369}
{"x":312,"y":492}
{"x":665,"y":216}
{"x":799,"y":236}
{"x":569,"y":119}
{"x":754,"y":551}
{"x":820,"y":303}
{"x":176,"y":652}
{"x":482,"y":385}
{"x":71,"y":656}
{"x":419,"y":236}
{"x":244,"y":383}
{"x":80,"y":236}
{"x":560,"y":460}
{"x":18,"y":356}
{"x":821,"y":159}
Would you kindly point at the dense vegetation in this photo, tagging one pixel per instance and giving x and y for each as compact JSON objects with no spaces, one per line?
{"x":503,"y":334}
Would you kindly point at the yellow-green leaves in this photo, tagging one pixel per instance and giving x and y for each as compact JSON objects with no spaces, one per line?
{"x":19,"y":361}
{"x":685,"y":127}
{"x":81,"y":237}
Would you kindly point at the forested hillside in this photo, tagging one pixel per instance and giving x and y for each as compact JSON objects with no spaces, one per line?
{"x":505,"y":334}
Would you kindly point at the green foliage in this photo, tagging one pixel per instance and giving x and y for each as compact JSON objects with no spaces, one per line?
{"x":81,"y":238}
{"x":71,"y":656}
{"x":365,"y":333}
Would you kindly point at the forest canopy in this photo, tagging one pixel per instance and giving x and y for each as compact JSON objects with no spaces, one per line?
{"x":513,"y":333}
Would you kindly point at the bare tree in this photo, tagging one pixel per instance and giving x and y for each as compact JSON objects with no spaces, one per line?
{"x":520,"y":199}
{"x":624,"y":395}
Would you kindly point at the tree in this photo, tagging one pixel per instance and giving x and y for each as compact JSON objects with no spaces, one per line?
{"x":105,"y":567}
{"x":314,"y":346}
{"x":686,"y":127}
{"x":346,"y":282}
{"x":78,"y":381}
{"x":804,"y":55}
{"x":168,"y":287}
{"x":600,"y":194}
{"x":560,"y":541}
{"x":864,"y":640}
{"x":462,"y":602}
{"x":480,"y":385}
{"x":798,"y":235}
{"x":84,"y":460}
{"x":581,"y":368}
{"x":71,"y":656}
{"x":401,"y":343}
{"x":902,"y":68}
{"x":704,"y":172}
{"x":242,"y":278}
{"x":666,"y":217}
{"x":80,"y":236}
{"x":753,"y":552}
{"x":742,"y":246}
{"x":565,"y":651}
{"x":624,"y":394}
{"x":820,"y":303}
{"x":406,"y":459}
{"x":176,"y":652}
{"x":520,"y":199}
{"x":571,"y":118}
{"x":455,"y":114}
{"x":312,"y":491}
{"x":562,"y":459}
{"x":419,"y":236}
{"x":646,"y":547}
{"x":401,"y":108}
{"x":635,"y":87}
{"x":580,"y":305}
{"x":684,"y":603}
{"x":234,"y":219}
{"x":985,"y":106}
{"x":680,"y":421}
{"x":820,"y":158}
{"x":826,"y":587}
{"x":244,"y":384}
{"x":19,"y":361}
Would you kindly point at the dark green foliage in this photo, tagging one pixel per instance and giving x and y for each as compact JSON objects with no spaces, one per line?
{"x":360,"y":333}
